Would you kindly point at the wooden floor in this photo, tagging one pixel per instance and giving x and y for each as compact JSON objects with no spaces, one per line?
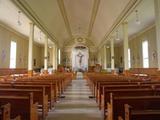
{"x":76,"y":105}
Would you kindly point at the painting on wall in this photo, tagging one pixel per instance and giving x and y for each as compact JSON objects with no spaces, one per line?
{"x":3,"y":55}
{"x":34,"y":62}
{"x":154,"y":55}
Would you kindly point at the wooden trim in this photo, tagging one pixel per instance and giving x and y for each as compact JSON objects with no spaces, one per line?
{"x":30,"y":73}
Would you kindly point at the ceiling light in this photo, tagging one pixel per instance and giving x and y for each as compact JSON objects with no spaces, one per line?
{"x":117,"y":35}
{"x":138,"y":22}
{"x":108,"y":46}
{"x":19,"y":18}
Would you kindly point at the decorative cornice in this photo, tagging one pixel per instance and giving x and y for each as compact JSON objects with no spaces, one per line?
{"x":142,"y":31}
{"x":27,"y":10}
{"x":139,"y":33}
{"x":93,"y":16}
{"x":64,"y":15}
{"x":125,"y":13}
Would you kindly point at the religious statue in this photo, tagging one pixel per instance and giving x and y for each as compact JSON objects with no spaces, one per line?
{"x":80,"y":55}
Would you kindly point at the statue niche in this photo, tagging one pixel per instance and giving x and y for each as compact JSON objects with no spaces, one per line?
{"x":80,"y":55}
{"x":80,"y":58}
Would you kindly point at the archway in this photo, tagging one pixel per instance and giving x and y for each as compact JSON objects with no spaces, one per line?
{"x":80,"y":58}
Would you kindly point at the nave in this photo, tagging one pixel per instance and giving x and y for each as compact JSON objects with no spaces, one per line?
{"x":46,"y":45}
{"x":76,"y":105}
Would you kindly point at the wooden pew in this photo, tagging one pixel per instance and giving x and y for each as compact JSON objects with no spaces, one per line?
{"x":9,"y":71}
{"x":39,"y":96}
{"x":95,"y":79}
{"x":48,"y":89}
{"x":56,"y":81}
{"x":115,"y":106}
{"x":60,"y":80}
{"x":5,"y":112}
{"x":135,"y":85}
{"x":100,"y":85}
{"x":117,"y":87}
{"x":133,"y":113}
{"x":21,"y":105}
{"x":131,"y":91}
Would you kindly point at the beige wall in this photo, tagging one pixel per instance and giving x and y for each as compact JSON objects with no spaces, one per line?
{"x":37,"y":50}
{"x":135,"y":45}
{"x":6,"y":36}
{"x":50,"y":56}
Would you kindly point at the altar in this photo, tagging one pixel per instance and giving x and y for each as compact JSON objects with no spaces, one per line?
{"x":80,"y":59}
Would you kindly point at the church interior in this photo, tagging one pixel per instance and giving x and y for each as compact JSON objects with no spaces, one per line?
{"x":79,"y":60}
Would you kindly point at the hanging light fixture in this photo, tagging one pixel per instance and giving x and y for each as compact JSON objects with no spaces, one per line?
{"x":40,"y":35}
{"x":117,"y":35}
{"x":19,"y":18}
{"x":138,"y":22}
{"x":108,"y":47}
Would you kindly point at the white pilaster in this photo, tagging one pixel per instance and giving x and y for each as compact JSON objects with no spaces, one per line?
{"x":112,"y":54}
{"x":125,"y":45}
{"x":157,"y":21}
{"x":30,"y":49}
{"x":54,"y":58}
{"x":105,"y":57}
{"x":46,"y":53}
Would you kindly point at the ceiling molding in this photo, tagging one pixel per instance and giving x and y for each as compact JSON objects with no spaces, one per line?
{"x":142,"y":31}
{"x":64,"y":15}
{"x":93,"y":16}
{"x":27,"y":10}
{"x":122,"y":17}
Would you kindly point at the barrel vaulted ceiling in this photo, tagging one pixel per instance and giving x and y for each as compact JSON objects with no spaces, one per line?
{"x":64,"y":20}
{"x":67,"y":19}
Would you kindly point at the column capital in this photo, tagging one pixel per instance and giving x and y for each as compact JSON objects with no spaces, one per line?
{"x":46,"y":36}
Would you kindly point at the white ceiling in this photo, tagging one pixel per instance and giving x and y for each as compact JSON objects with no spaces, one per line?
{"x":146,"y":16}
{"x":9,"y":18}
{"x":79,"y":14}
{"x":75,"y":16}
{"x":109,"y":11}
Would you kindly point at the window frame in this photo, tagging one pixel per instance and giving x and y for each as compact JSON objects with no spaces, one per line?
{"x":129,"y":58}
{"x":145,"y":54}
{"x":13,"y":54}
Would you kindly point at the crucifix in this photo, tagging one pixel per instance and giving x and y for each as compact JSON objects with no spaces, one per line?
{"x":80,"y":57}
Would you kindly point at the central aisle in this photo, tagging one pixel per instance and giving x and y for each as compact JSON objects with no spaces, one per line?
{"x":76,"y":105}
